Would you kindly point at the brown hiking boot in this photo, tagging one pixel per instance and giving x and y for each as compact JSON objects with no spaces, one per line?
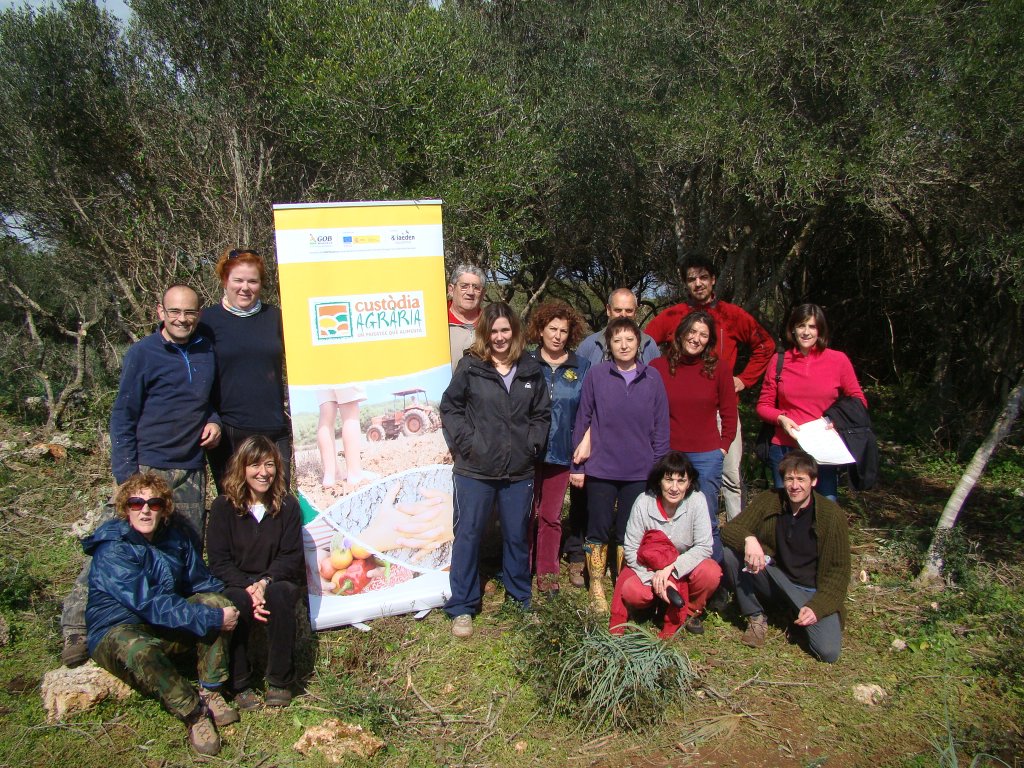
{"x":202,"y":734}
{"x":547,"y":582}
{"x":576,"y":575}
{"x":75,"y":651}
{"x":222,"y":712}
{"x":278,"y":697}
{"x":757,"y":631}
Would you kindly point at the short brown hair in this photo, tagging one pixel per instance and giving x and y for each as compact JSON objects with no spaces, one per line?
{"x":798,"y":461}
{"x":136,"y":483}
{"x":232,"y":257}
{"x":804,"y":312}
{"x":555,"y":309}
{"x":617,"y":324}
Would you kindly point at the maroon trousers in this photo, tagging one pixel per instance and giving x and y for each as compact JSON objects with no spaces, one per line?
{"x":655,"y":552}
{"x":549,"y":486}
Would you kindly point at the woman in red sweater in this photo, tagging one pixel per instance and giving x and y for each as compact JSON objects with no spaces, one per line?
{"x":699,"y":390}
{"x":813,"y":378}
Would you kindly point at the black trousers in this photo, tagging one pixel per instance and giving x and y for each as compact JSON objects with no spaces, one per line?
{"x":281,"y":597}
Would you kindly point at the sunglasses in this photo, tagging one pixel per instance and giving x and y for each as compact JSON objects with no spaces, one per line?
{"x":241,"y":252}
{"x":156,"y":504}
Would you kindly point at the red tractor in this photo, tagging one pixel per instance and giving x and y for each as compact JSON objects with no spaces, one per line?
{"x":411,"y":414}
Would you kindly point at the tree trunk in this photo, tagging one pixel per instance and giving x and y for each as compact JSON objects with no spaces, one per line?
{"x":1001,"y":428}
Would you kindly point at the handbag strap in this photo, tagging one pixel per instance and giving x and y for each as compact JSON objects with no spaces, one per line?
{"x":778,"y":375}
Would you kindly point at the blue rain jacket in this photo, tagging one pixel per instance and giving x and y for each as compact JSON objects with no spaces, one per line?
{"x":134,"y":581}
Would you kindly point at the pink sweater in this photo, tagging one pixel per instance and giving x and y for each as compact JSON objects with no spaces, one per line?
{"x":694,"y":402}
{"x":810,"y":385}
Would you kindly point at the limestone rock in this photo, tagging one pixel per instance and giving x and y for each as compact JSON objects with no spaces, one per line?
{"x":66,"y":691}
{"x":336,"y":741}
{"x":869,"y":694}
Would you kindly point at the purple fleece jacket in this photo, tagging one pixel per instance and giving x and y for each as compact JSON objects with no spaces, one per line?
{"x":628,"y":425}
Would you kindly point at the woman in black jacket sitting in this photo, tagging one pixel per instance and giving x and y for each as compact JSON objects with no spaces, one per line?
{"x":495,"y":415}
{"x":254,"y":545}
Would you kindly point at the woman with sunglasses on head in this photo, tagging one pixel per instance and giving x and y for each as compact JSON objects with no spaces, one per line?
{"x":248,"y":393}
{"x":150,"y":595}
{"x":495,"y":417}
{"x":254,"y":544}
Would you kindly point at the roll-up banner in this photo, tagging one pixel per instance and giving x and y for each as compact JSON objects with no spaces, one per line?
{"x":367,"y":356}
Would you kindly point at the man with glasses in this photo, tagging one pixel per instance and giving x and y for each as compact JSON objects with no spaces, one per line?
{"x":162,"y":421}
{"x":465,"y":299}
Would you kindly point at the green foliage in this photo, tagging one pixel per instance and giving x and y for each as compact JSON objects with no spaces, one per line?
{"x":629,"y":680}
{"x":600,"y":680}
{"x":946,"y":752}
{"x":17,"y":588}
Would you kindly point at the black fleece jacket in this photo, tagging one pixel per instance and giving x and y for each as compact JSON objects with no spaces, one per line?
{"x":241,"y":551}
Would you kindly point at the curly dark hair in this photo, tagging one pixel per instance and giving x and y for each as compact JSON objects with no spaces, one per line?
{"x":556,"y":309}
{"x":709,"y":355}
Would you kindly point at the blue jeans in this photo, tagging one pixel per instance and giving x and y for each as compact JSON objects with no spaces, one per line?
{"x":828,"y":475}
{"x":709,"y":468}
{"x":474,"y":500}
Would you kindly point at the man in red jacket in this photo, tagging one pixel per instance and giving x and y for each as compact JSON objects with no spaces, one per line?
{"x":735,"y":328}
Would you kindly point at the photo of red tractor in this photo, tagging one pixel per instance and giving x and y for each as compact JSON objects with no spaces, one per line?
{"x":411,"y":414}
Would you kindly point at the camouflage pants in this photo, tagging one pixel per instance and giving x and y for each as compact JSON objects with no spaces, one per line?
{"x":139,"y":655}
{"x":188,"y":487}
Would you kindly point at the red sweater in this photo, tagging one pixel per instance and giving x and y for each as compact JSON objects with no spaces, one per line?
{"x":694,"y":402}
{"x":809,"y":386}
{"x":734,"y":326}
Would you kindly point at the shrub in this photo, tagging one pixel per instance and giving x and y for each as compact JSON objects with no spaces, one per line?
{"x":600,"y":680}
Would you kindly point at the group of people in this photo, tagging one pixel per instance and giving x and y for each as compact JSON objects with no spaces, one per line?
{"x":646,"y":438}
{"x":206,"y":385}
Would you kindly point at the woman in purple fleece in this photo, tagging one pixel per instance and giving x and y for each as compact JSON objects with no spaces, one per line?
{"x":621,"y":431}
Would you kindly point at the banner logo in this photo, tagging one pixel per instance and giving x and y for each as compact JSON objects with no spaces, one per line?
{"x":367,"y":317}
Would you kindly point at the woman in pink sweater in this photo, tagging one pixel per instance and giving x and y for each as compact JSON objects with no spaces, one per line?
{"x":700,"y":390}
{"x":813,"y":378}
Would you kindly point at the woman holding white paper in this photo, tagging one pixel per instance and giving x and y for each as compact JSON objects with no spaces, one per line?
{"x":813,"y":378}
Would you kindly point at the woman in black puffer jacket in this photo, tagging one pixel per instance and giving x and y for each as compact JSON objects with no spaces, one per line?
{"x":495,"y":415}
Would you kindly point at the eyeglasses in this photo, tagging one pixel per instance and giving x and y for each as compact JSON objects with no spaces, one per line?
{"x":470,"y":287}
{"x":188,"y":314}
{"x":241,"y":252}
{"x":156,"y":504}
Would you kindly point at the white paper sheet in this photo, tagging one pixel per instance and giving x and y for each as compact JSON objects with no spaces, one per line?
{"x":824,"y":444}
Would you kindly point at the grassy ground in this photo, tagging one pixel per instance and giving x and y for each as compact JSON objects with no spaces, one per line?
{"x":439,"y":702}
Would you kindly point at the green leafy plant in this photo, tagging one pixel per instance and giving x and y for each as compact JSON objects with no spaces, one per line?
{"x":600,"y":680}
{"x":628,"y":680}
